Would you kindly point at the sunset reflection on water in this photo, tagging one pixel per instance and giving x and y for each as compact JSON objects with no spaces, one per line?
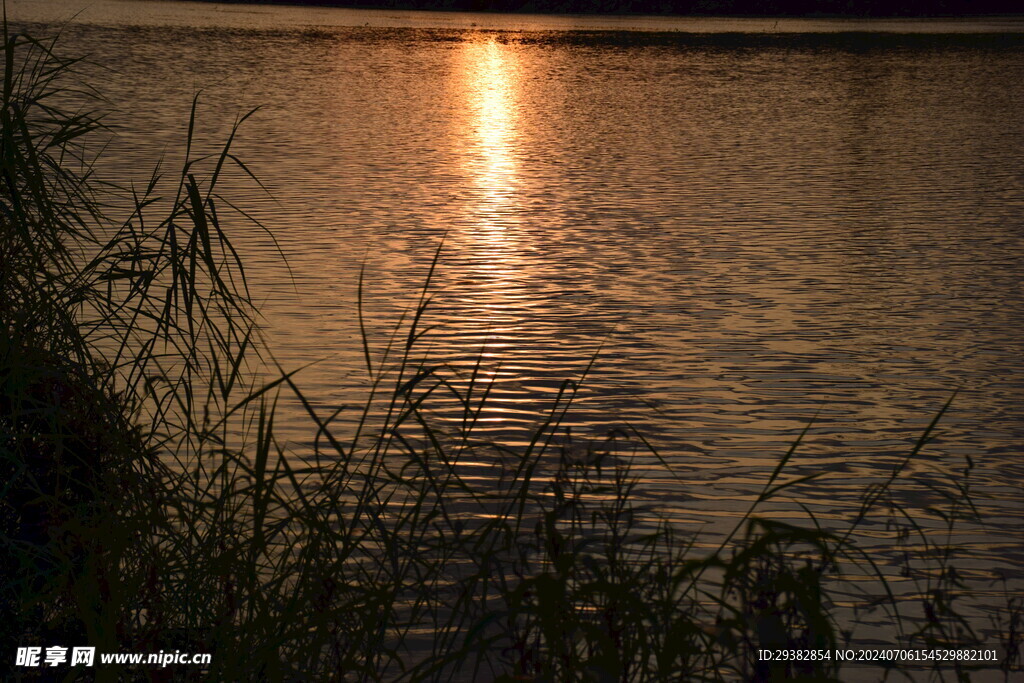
{"x":486,"y":239}
{"x":490,"y":80}
{"x":759,"y":237}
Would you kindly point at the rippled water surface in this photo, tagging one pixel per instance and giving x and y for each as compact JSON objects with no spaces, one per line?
{"x":758,"y":229}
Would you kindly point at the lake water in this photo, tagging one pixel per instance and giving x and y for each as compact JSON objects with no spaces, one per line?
{"x":758,"y":223}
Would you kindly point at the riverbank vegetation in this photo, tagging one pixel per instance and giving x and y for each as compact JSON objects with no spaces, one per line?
{"x":147,"y":505}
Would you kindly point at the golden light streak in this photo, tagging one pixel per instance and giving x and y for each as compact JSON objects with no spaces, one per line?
{"x":491,"y":83}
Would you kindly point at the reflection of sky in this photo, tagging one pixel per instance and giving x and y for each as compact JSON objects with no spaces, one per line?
{"x":821,"y":263}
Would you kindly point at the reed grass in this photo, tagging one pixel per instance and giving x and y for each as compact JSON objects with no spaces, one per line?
{"x":148,"y":505}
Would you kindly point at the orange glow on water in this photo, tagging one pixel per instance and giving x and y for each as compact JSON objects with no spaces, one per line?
{"x":491,"y":79}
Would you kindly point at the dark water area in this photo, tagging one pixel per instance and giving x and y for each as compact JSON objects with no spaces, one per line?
{"x":760,"y":231}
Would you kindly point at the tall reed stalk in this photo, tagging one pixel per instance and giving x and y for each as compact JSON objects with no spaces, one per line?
{"x":146,"y":503}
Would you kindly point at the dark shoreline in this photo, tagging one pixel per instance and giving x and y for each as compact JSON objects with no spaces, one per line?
{"x":732,"y":9}
{"x":847,"y":41}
